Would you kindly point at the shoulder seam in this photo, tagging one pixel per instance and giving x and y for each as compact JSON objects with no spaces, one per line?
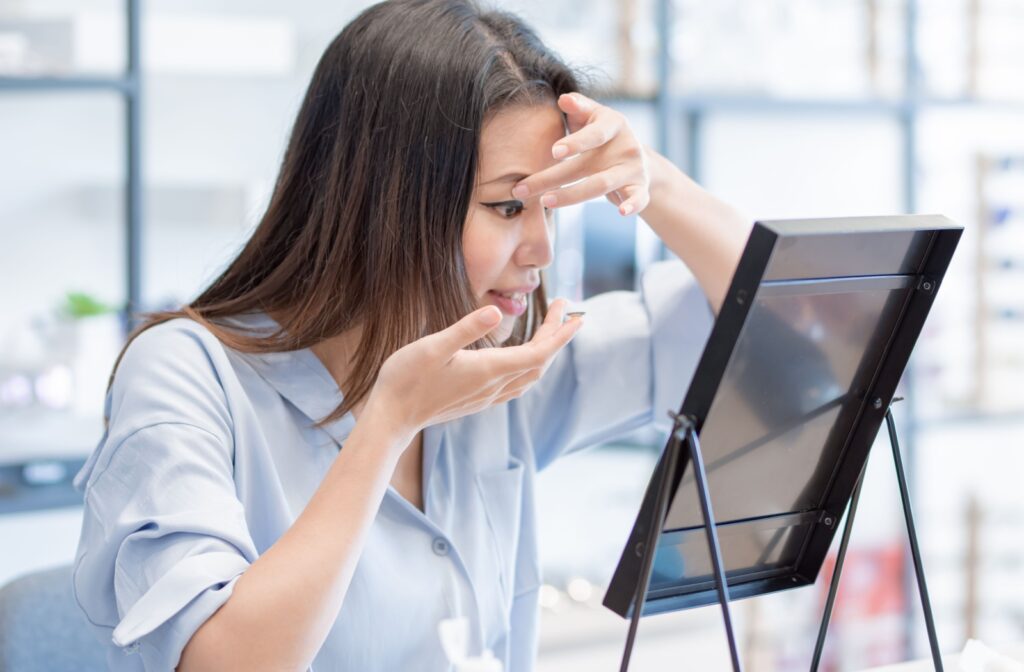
{"x":96,"y":474}
{"x":169,"y":422}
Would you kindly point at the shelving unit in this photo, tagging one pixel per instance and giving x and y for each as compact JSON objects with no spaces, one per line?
{"x":34,"y":485}
{"x":129,"y":87}
{"x":676,"y":115}
{"x":694,"y":110}
{"x":27,"y":485}
{"x":999,"y":254}
{"x":691,"y":112}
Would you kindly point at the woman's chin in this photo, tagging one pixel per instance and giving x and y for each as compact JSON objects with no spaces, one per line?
{"x":504,"y":330}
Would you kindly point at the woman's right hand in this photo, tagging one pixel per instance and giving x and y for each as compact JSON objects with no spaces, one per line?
{"x":434,"y":379}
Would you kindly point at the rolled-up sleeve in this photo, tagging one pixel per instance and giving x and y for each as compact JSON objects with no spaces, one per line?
{"x":164,"y":536}
{"x":630,"y":363}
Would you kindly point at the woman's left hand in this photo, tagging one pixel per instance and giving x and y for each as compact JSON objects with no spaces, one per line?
{"x":601,"y":156}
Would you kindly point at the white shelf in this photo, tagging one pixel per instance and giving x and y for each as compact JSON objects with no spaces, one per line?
{"x":39,"y":434}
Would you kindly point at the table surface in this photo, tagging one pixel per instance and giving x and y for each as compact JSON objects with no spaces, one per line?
{"x":951,"y":662}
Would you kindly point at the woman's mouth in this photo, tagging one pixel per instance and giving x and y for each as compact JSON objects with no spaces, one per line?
{"x":510,"y":303}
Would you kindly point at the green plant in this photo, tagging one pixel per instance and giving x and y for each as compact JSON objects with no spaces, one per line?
{"x":79,"y":304}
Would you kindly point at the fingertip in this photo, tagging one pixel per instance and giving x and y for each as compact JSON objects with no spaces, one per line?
{"x":489,"y":316}
{"x":582,"y":102}
{"x":573,"y":327}
{"x":557,"y":306}
{"x":574,"y":102}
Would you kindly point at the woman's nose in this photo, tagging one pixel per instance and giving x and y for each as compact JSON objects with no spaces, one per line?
{"x":536,"y":248}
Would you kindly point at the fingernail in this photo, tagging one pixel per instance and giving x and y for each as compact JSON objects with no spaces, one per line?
{"x":548,"y":200}
{"x":626,"y":208}
{"x":520,"y":191}
{"x":559,"y":151}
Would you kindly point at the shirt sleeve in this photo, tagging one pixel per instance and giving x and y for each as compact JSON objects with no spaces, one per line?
{"x":164,"y":536}
{"x":627,"y":367}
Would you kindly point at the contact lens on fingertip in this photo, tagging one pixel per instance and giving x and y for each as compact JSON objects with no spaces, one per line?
{"x":574,"y":315}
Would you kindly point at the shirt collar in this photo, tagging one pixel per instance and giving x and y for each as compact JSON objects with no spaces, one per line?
{"x":300,"y":377}
{"x":297,"y":375}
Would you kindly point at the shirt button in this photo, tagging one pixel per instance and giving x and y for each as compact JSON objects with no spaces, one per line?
{"x":440,"y":546}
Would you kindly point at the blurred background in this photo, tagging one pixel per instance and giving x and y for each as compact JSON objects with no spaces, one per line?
{"x":139,"y":141}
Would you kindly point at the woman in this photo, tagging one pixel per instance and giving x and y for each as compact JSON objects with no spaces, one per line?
{"x":324,"y":455}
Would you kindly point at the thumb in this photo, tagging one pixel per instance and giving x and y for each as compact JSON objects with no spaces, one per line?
{"x":470,"y":329}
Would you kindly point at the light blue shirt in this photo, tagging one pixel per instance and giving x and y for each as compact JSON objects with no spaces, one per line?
{"x":210,"y":454}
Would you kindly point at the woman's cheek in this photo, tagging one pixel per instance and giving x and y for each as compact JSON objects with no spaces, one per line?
{"x":498,"y":268}
{"x":484,"y":251}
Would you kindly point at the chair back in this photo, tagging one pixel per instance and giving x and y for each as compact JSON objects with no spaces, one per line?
{"x":42,"y":629}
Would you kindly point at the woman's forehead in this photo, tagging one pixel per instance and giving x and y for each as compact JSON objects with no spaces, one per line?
{"x":516,"y":142}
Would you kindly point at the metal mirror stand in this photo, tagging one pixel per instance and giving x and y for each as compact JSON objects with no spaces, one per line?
{"x":683,"y":431}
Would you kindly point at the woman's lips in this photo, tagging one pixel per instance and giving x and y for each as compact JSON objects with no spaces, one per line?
{"x":513,"y":303}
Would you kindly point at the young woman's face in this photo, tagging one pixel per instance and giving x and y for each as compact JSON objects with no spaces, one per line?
{"x":506,"y":242}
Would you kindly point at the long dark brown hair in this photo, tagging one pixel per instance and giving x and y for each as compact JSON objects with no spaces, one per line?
{"x":364,"y":226}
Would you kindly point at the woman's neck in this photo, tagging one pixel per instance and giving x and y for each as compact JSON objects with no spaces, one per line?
{"x":336,"y":354}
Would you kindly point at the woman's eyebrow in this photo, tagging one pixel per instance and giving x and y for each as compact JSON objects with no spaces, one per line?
{"x":509,"y":201}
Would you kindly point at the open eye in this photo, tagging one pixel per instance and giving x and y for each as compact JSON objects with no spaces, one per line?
{"x":507,"y":209}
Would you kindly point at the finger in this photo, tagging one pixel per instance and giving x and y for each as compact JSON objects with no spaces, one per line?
{"x":511,"y":394}
{"x":519,"y":385}
{"x":482,"y":395}
{"x":636,"y":199}
{"x":561,"y":337}
{"x":516,"y":365}
{"x":553,"y":319}
{"x":550,"y":178}
{"x":593,"y":186}
{"x":468,"y":330}
{"x":599,"y":131}
{"x":555,"y":323}
{"x":515,"y":388}
{"x":507,"y":396}
{"x":536,"y":353}
{"x":577,"y":108}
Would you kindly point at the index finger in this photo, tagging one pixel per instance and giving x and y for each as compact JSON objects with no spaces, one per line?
{"x":552,"y":177}
{"x":600,"y":131}
{"x":536,"y":353}
{"x":574,"y":167}
{"x":554,"y":317}
{"x":577,"y":109}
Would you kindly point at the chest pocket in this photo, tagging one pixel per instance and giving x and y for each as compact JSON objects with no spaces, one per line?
{"x":502,"y":493}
